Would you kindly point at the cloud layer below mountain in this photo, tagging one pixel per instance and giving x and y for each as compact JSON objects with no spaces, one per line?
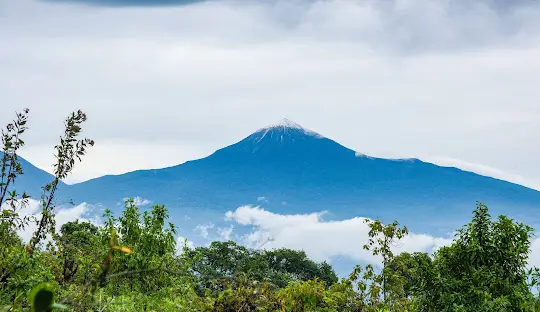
{"x":326,"y":240}
{"x":63,"y":215}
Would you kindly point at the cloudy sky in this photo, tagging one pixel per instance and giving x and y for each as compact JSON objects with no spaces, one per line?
{"x":450,"y":81}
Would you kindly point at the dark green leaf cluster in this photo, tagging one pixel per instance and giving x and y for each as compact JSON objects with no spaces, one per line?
{"x":485,"y":269}
{"x":218,"y":264}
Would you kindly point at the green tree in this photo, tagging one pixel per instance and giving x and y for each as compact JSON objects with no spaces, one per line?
{"x":221,"y":262}
{"x":483,"y":270}
{"x":302,"y":296}
{"x":381,"y":240}
{"x":77,"y":250}
{"x":298,"y":266}
{"x":150,"y":245}
{"x":404,"y":273}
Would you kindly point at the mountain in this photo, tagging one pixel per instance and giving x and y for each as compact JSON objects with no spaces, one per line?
{"x":298,"y":170}
{"x":32,"y":179}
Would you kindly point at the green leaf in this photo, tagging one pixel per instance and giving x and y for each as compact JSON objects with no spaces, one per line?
{"x":41,"y":298}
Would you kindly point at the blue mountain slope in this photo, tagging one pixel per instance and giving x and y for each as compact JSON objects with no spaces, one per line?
{"x":287,"y":163}
{"x":32,"y":180}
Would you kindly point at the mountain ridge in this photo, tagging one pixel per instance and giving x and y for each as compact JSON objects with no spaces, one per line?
{"x":284,"y":126}
{"x":287,"y":163}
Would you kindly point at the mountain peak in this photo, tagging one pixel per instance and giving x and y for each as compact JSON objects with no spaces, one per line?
{"x":286,"y":123}
{"x":286,"y":126}
{"x":285,"y":141}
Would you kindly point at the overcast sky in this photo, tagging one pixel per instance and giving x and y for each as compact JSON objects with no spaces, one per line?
{"x":454,"y":82}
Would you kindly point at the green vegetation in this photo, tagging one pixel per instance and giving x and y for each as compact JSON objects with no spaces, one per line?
{"x":132,"y":261}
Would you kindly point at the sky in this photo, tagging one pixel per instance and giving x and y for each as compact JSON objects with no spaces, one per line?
{"x":453,"y":82}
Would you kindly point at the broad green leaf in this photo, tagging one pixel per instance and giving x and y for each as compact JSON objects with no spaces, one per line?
{"x":41,"y":298}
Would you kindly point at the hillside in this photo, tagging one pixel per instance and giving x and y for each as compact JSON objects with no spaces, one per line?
{"x":32,"y":180}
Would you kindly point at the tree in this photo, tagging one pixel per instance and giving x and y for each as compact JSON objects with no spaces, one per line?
{"x":78,"y":245}
{"x":404,"y":272}
{"x":148,"y":247}
{"x":483,"y":270}
{"x":218,"y":265}
{"x":381,"y":240}
{"x":299,"y":267}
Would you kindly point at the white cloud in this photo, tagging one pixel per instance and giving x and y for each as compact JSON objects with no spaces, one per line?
{"x":225,"y":233}
{"x":63,"y":215}
{"x":102,"y":158}
{"x":484,"y":170}
{"x":534,"y":257}
{"x":262,"y":199}
{"x":411,"y":78}
{"x":139,"y":201}
{"x":181,"y":242}
{"x":203,"y":229}
{"x":324,"y":240}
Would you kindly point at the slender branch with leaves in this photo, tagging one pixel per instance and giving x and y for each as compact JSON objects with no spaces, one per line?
{"x":10,"y":169}
{"x":68,"y":151}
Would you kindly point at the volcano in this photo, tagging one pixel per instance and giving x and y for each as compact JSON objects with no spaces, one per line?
{"x":298,"y":170}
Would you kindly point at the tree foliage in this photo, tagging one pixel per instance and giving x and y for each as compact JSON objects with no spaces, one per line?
{"x":485,"y":269}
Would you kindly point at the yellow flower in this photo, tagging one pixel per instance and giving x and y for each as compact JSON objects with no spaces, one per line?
{"x":123,"y":249}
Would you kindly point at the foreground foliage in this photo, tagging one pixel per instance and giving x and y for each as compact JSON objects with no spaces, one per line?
{"x":133,"y":263}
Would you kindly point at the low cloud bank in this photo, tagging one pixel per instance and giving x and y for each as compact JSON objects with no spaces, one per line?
{"x":63,"y":216}
{"x":325,"y":240}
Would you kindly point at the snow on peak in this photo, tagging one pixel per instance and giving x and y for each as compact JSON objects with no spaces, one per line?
{"x":287,"y":124}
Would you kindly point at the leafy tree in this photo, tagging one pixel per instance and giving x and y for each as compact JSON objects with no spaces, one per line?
{"x":343,"y":296}
{"x":221,"y":262}
{"x":298,"y":266}
{"x":483,"y":270}
{"x":148,"y":246}
{"x":77,"y":249}
{"x":404,"y":273}
{"x":303,"y":296}
{"x":381,"y":240}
